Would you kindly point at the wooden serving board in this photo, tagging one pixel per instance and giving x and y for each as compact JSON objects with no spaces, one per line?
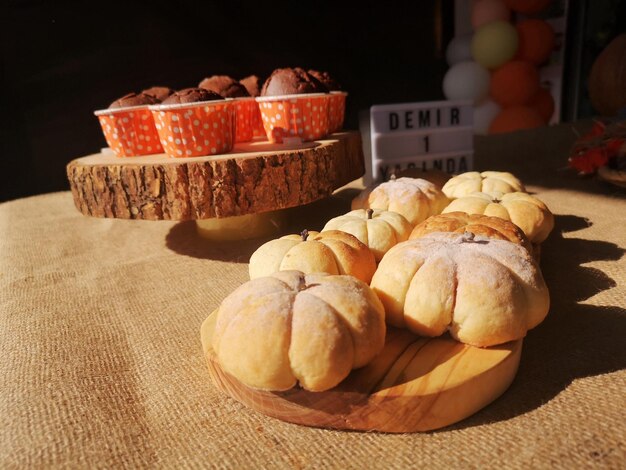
{"x":415,"y":384}
{"x":255,"y":177}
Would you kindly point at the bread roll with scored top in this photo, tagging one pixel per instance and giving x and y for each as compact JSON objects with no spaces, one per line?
{"x":486,"y":182}
{"x":379,"y":230}
{"x":416,"y":199}
{"x":332,"y":252}
{"x":483,"y":291}
{"x":290,"y":327}
{"x":527,"y":212}
{"x":460,"y":222}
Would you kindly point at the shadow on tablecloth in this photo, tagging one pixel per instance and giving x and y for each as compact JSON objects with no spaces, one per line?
{"x":184,"y":240}
{"x":577,"y":339}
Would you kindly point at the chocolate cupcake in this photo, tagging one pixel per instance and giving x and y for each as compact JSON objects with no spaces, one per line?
{"x":192,"y":95}
{"x":324,"y":77}
{"x":336,"y":102}
{"x":291,"y":81}
{"x":294,"y":106}
{"x":245,"y":106}
{"x":224,"y":86}
{"x":159,"y":92}
{"x":195,"y":122}
{"x":252,"y":84}
{"x":128,"y":126}
{"x":133,"y":99}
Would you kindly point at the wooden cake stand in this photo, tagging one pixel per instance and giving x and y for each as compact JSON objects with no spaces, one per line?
{"x":255,"y":177}
{"x":414,"y":384}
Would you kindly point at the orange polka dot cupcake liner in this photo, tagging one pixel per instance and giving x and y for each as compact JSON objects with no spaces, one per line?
{"x":336,"y":110}
{"x":303,"y":117}
{"x":246,"y":110}
{"x":196,"y":129}
{"x":130,"y":132}
{"x":257,"y":128}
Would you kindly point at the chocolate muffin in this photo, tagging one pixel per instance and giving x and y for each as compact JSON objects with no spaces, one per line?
{"x":225,"y":86}
{"x":133,"y":99}
{"x":192,"y":95}
{"x":290,"y":81}
{"x":326,"y":79}
{"x":252,"y":84}
{"x":159,"y":92}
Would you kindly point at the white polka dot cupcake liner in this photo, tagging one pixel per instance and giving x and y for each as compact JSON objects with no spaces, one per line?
{"x":336,"y":110}
{"x":130,"y":131}
{"x":245,"y":109}
{"x":258,"y":130}
{"x":303,"y":117}
{"x":196,"y":129}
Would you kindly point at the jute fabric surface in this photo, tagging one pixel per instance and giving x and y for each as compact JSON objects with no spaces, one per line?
{"x":101,"y":364}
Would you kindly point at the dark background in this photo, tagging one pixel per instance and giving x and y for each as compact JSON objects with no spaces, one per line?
{"x":61,"y":60}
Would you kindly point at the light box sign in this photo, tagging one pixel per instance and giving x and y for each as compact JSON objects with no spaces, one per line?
{"x":453,"y":163}
{"x":434,"y":135}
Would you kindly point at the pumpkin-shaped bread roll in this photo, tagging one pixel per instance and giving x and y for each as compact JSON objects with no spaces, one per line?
{"x":486,"y":182}
{"x":460,"y":222}
{"x":527,"y":212}
{"x":484,"y":291}
{"x":275,"y":331}
{"x":416,"y":199}
{"x":332,"y":252}
{"x":379,"y":230}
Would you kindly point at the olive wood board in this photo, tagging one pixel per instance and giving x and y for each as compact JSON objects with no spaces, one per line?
{"x":414,"y":384}
{"x":255,"y":177}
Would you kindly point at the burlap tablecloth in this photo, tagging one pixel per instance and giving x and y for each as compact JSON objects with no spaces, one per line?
{"x":101,"y":364}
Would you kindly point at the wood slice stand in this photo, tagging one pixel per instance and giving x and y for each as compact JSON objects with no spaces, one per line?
{"x":253,"y":178}
{"x":415,"y":384}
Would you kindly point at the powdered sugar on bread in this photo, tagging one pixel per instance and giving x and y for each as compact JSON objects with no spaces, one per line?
{"x":288,"y":327}
{"x":414,"y":198}
{"x":496,"y":287}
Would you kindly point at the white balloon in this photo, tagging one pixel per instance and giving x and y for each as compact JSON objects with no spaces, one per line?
{"x":484,"y":113}
{"x":459,"y":49}
{"x":466,"y":81}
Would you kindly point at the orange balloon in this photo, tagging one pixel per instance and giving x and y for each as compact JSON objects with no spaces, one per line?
{"x":536,"y":41}
{"x":514,"y":83}
{"x":514,"y":119}
{"x":528,"y":7}
{"x":486,"y":11}
{"x":543,"y":103}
